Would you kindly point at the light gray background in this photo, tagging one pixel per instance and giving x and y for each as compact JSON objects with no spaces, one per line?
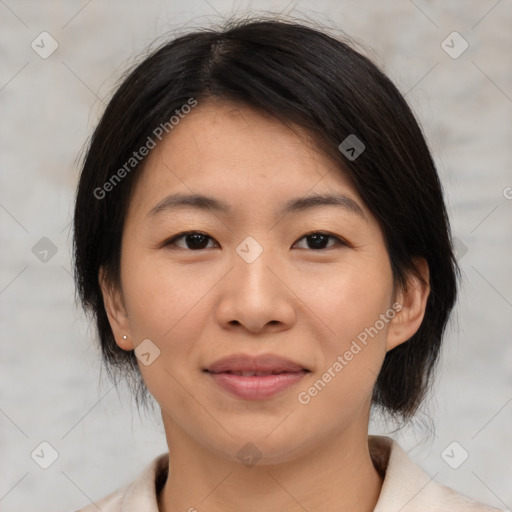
{"x":50,"y":367}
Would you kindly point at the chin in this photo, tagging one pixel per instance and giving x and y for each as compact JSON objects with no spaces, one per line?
{"x":261,"y":446}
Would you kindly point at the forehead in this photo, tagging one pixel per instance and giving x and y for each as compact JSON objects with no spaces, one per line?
{"x":241,"y":155}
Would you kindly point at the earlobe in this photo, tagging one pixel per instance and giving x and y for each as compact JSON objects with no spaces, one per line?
{"x":413,"y":303}
{"x":116,"y":311}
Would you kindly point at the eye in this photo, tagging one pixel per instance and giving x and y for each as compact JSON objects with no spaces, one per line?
{"x":194,"y":240}
{"x":318,"y":240}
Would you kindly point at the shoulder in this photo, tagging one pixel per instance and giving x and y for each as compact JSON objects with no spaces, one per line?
{"x":406,"y":487}
{"x":110,"y":503}
{"x":140,"y":494}
{"x":452,"y":500}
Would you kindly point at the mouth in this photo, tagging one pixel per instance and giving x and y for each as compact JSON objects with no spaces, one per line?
{"x":255,"y":378}
{"x":251,"y":374}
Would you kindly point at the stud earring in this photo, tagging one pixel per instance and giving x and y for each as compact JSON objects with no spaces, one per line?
{"x":125,"y":337}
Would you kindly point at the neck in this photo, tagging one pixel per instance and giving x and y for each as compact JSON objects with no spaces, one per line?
{"x":336,"y":477}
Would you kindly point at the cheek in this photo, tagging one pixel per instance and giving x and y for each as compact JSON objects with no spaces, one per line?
{"x":353,"y":350}
{"x":167,"y":306}
{"x":352,"y":306}
{"x":347,"y":298}
{"x":159,"y":297}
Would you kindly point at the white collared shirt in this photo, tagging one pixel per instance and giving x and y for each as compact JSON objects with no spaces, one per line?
{"x":406,"y":487}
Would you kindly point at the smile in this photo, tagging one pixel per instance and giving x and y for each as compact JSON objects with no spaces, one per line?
{"x":256,"y":385}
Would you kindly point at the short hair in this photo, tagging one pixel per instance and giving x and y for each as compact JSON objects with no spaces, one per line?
{"x":304,"y":77}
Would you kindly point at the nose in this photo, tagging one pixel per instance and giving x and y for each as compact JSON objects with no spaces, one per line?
{"x":256,"y":296}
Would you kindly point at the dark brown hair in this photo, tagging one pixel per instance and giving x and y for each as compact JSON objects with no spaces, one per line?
{"x":304,"y":77}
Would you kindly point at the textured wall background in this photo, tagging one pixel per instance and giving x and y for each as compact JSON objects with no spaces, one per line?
{"x":50,"y":368}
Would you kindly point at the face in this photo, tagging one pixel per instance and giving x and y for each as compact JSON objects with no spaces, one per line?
{"x":311,"y":284}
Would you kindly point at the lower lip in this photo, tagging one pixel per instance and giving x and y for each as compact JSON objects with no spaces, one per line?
{"x":256,"y":387}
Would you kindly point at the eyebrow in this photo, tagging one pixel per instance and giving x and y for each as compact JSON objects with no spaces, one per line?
{"x":202,"y":202}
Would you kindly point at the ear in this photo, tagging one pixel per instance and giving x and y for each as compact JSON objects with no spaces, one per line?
{"x":116,"y":311}
{"x":413,"y":302}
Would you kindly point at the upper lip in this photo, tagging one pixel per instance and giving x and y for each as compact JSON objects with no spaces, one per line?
{"x":261,"y":363}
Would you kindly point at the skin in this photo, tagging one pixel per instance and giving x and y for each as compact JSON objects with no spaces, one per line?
{"x":294,"y":300}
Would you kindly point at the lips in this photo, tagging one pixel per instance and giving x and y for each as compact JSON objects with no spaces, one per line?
{"x":265,"y":364}
{"x":255,"y":378}
{"x":253,"y":374}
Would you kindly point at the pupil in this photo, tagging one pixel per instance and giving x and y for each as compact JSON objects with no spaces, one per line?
{"x":196,"y":241}
{"x":318,"y":243}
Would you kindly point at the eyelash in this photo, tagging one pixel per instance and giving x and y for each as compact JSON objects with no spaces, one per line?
{"x":172,"y":241}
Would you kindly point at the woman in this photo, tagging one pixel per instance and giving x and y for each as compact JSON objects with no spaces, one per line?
{"x":261,"y":236}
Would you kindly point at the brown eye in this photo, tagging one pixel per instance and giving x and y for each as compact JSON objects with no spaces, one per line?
{"x":194,"y":240}
{"x":318,"y":240}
